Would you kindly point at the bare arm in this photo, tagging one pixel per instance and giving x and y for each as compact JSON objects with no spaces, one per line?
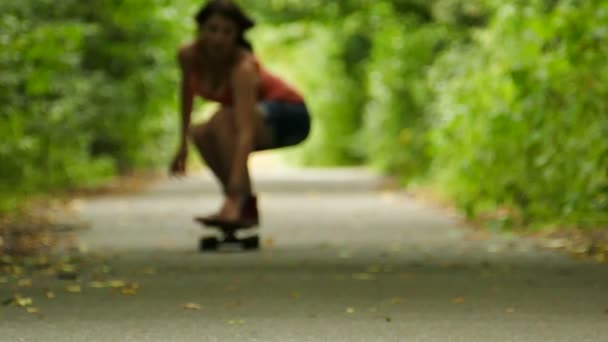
{"x":187,"y":97}
{"x":244,"y":82}
{"x":178,"y":166}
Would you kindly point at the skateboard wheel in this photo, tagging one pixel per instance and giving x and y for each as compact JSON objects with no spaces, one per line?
{"x":208,"y":244}
{"x":252,"y":242}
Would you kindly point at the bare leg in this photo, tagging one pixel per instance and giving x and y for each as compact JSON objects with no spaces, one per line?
{"x":203,"y":138}
{"x":218,"y":142}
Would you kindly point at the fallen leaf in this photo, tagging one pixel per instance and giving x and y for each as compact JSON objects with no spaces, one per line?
{"x":350,"y":310}
{"x":73,"y":288}
{"x":458,"y":300}
{"x":269,"y":242}
{"x":191,"y":306}
{"x":98,"y":285}
{"x":363,"y":276}
{"x":32,"y":310}
{"x":149,"y":271}
{"x":22,"y":301}
{"x":49,"y":294}
{"x":129,"y":289}
{"x":116,"y":283}
{"x":397,"y":300}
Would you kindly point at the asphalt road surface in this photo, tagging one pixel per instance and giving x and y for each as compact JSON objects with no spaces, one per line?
{"x":341,"y":260}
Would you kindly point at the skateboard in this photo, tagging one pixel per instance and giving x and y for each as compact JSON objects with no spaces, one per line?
{"x":228,"y":238}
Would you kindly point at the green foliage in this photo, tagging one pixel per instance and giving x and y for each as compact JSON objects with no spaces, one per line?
{"x":394,"y":130}
{"x":85,"y":89}
{"x":42,"y":146}
{"x":500,"y":103}
{"x":521,"y":114}
{"x":311,"y":57}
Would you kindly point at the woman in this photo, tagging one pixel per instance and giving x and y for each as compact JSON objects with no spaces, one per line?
{"x":258,"y":110}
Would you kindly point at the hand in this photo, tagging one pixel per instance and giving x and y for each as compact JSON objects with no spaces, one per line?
{"x":178,"y":166}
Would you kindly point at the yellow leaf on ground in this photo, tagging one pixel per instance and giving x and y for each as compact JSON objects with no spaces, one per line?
{"x":74,"y":288}
{"x":149,"y":271}
{"x":350,"y":310}
{"x":32,"y":310}
{"x":269,"y":242}
{"x":397,"y":300}
{"x":98,"y":284}
{"x":130,"y":289}
{"x":116,"y":283}
{"x":23,"y":301}
{"x":68,"y":268}
{"x":191,"y":306}
{"x":363,"y":276}
{"x":458,"y":300}
{"x":49,"y":294}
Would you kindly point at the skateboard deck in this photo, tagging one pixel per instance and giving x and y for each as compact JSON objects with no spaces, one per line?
{"x":228,"y":238}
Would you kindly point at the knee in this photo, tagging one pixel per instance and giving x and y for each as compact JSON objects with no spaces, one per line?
{"x":198,"y":133}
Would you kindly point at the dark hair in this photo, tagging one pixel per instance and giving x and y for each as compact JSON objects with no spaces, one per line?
{"x":231,"y":10}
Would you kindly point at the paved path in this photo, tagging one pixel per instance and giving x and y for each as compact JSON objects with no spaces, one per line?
{"x":341,"y":261}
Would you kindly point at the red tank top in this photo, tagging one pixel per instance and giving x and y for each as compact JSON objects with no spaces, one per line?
{"x":271,"y":88}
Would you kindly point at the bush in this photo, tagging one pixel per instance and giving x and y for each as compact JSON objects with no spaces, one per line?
{"x":395,"y":125}
{"x":521,"y":115}
{"x":85,"y":89}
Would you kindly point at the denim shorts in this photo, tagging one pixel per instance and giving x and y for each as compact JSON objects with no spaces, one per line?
{"x":289,"y":122}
